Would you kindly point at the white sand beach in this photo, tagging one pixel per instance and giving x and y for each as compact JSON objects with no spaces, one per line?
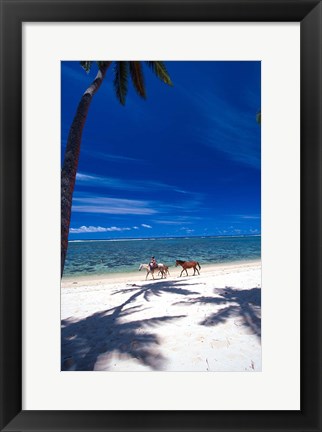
{"x":210,"y":322}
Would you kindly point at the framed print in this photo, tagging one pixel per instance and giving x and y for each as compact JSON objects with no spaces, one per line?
{"x":213,"y":181}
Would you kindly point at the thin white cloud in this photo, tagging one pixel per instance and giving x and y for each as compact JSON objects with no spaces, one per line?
{"x":170,"y":222}
{"x":107,"y":182}
{"x":117,"y":183}
{"x":111,"y":157}
{"x":225,"y":129}
{"x":254,"y":231}
{"x":86,"y":178}
{"x":112,"y":206}
{"x":187,"y":230}
{"x":249,"y":216}
{"x":92,"y":229}
{"x":146,"y":226}
{"x":179,"y":220}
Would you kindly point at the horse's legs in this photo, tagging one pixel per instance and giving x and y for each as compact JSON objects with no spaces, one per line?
{"x":183,"y":269}
{"x":181,"y":272}
{"x":194,"y":271}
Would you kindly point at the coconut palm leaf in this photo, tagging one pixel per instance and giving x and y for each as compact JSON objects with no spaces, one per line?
{"x":120,"y":80}
{"x":102,"y":64}
{"x":137,"y":77}
{"x":160,"y":71}
{"x":86,"y":65}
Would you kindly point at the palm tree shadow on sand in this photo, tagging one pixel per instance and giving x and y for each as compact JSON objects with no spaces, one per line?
{"x":243,"y":306}
{"x":113,"y":332}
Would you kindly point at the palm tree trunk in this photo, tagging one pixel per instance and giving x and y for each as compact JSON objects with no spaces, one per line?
{"x":69,"y":170}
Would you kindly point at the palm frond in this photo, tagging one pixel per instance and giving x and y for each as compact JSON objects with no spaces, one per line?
{"x":86,"y":65}
{"x":120,"y":80}
{"x":259,"y":117}
{"x":158,"y":67}
{"x":137,"y":77}
{"x":102,"y":64}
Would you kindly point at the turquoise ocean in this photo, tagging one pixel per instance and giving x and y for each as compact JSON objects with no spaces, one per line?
{"x":104,"y":257}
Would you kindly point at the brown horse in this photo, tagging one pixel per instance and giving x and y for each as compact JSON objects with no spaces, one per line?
{"x":187,"y":265}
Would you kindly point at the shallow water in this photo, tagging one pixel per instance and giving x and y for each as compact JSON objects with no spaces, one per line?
{"x":103,"y":257}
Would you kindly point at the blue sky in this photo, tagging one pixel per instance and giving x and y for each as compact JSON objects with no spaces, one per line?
{"x":183,"y":162}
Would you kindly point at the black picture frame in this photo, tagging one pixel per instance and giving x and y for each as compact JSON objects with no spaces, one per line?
{"x":13,"y":14}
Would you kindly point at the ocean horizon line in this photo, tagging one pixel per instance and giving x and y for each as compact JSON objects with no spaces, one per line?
{"x":120,"y":239}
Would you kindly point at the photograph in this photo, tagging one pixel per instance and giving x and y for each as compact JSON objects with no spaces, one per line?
{"x":161,"y":216}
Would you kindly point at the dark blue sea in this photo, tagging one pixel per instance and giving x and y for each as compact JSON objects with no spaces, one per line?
{"x":103,"y":257}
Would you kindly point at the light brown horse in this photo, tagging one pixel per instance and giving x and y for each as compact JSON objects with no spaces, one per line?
{"x":187,"y":265}
{"x":165,"y":269}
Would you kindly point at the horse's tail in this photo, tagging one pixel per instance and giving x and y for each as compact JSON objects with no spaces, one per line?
{"x":198,"y":265}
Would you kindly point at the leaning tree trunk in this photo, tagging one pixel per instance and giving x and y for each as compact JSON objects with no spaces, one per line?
{"x":69,"y":170}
